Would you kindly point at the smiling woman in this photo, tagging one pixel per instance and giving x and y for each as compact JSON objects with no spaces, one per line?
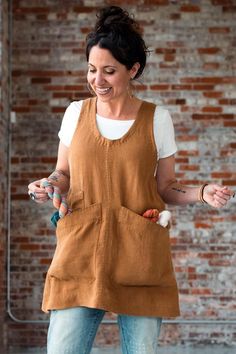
{"x":110,"y":80}
{"x":115,"y":168}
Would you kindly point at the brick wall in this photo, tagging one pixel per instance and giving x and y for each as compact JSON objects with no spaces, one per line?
{"x":4,"y":114}
{"x":191,"y":71}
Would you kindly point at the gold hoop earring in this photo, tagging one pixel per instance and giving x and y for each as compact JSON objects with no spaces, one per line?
{"x":130,"y":89}
{"x":90,"y":89}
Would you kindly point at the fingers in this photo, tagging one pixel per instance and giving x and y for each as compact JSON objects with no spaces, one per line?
{"x":64,"y":209}
{"x":223,"y":195}
{"x":37,"y":193}
{"x":35,"y":187}
{"x":48,"y":187}
{"x":217,"y":195}
{"x":56,"y":198}
{"x":228,"y":192}
{"x":42,"y":190}
{"x":60,"y":203}
{"x":219,"y":201}
{"x":151,"y":214}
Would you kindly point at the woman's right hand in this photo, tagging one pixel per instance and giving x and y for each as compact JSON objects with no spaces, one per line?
{"x":37,"y":191}
{"x":42,"y":190}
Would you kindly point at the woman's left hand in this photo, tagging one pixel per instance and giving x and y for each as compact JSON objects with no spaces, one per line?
{"x":217,"y":196}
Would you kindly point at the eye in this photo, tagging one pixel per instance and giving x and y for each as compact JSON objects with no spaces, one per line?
{"x":110,"y":72}
{"x":91,"y":70}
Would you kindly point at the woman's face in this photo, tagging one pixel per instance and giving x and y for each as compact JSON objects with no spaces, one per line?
{"x":108,"y":78}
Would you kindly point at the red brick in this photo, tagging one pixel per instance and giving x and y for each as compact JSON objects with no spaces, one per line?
{"x":42,"y":17}
{"x":209,"y":51}
{"x":230,"y":124}
{"x":74,"y":87}
{"x":21,"y":109}
{"x":188,"y":137}
{"x":212,"y":116}
{"x":212,"y":109}
{"x":20,"y":196}
{"x":222,"y":2}
{"x":181,"y":87}
{"x":85,"y":30}
{"x":165,"y":50}
{"x":32,"y":10}
{"x":175,"y":16}
{"x":180,"y":101}
{"x":188,"y":152}
{"x":214,"y":94}
{"x":41,"y":80}
{"x":161,"y":87}
{"x":62,"y":94}
{"x":139,"y":87}
{"x":189,"y":167}
{"x":227,"y":101}
{"x":54,"y":88}
{"x":180,"y":160}
{"x":58,"y":109}
{"x":29,"y":159}
{"x":48,"y":159}
{"x":15,"y":159}
{"x":40,"y":51}
{"x":200,"y":225}
{"x":219,"y":30}
{"x":227,"y":182}
{"x":210,"y":80}
{"x":83,"y":9}
{"x":211,"y":66}
{"x":221,"y":174}
{"x":154,"y":2}
{"x":201,"y":291}
{"x":176,"y":44}
{"x":203,"y":87}
{"x":190,"y":8}
{"x":169,"y":57}
{"x":229,"y":9}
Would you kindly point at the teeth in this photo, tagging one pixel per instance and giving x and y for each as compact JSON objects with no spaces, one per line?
{"x":103,"y":91}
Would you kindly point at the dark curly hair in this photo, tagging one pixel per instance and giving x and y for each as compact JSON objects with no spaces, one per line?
{"x":118,"y":32}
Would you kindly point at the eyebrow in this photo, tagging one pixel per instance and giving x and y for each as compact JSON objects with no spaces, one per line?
{"x":106,"y":66}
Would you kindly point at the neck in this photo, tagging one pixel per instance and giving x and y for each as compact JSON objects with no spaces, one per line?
{"x":124,"y":108}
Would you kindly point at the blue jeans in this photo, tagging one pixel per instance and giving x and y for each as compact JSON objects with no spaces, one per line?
{"x":72,"y":331}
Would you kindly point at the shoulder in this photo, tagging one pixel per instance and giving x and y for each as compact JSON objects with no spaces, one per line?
{"x":161,"y":114}
{"x":75,"y":106}
{"x":72,"y":113}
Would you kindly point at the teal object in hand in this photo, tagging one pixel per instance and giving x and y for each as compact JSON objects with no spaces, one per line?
{"x":55,"y":217}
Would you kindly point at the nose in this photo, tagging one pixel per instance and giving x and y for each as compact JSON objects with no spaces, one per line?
{"x":99,"y":79}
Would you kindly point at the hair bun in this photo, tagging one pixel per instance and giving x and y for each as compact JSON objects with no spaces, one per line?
{"x":120,"y":34}
{"x":113,"y":16}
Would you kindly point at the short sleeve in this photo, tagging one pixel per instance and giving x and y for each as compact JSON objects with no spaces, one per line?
{"x":164,"y":133}
{"x":69,"y":122}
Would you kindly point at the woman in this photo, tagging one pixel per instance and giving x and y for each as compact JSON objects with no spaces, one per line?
{"x":115,"y":162}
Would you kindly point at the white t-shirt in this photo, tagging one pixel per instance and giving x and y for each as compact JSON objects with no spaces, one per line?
{"x":114,"y":129}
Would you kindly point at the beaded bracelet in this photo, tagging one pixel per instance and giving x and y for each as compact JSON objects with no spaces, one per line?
{"x":200,"y":193}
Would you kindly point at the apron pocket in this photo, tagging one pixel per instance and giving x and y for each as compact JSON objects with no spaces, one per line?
{"x":142,"y":255}
{"x":77,"y":235}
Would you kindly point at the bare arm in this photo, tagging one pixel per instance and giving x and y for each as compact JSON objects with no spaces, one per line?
{"x":173,"y":192}
{"x":61,"y":176}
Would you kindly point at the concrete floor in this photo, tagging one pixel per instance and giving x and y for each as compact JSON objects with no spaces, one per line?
{"x":209,"y":349}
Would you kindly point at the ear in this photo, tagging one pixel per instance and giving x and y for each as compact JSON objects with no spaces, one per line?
{"x":133,"y":71}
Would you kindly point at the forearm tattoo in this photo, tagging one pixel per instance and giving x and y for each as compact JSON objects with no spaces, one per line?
{"x":55,"y":175}
{"x":178,"y":190}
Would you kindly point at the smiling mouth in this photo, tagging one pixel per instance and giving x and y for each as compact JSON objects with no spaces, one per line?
{"x":103,"y":91}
